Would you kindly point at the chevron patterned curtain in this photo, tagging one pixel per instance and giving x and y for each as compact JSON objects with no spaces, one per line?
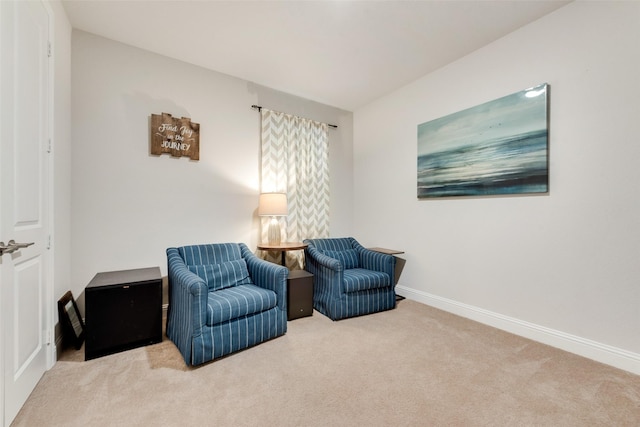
{"x":295,"y":160}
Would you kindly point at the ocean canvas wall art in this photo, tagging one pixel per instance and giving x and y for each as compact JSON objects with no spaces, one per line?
{"x":499,"y":147}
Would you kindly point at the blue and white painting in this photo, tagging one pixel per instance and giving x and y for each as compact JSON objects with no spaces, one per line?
{"x":499,"y":147}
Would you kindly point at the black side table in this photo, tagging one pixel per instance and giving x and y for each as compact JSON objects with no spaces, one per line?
{"x":123,"y":311}
{"x":299,"y":294}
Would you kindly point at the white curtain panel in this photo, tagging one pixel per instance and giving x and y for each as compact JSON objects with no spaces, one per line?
{"x":295,"y":161}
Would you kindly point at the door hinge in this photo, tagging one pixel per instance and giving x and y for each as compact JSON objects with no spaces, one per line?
{"x":49,"y":146}
{"x":49,"y":49}
{"x":49,"y":242}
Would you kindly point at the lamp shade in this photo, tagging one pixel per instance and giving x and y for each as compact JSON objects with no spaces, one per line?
{"x":273,"y":204}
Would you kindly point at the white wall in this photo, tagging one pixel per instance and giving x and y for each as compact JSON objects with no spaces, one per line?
{"x":129,"y":206}
{"x":564,"y":267}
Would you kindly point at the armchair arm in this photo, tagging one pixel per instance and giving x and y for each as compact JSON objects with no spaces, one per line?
{"x":267,"y":275}
{"x":324,"y":260}
{"x":376,"y":261}
{"x":187,"y":296}
{"x":328,"y":272}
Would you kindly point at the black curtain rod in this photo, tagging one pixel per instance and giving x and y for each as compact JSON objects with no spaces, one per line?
{"x":259,"y":108}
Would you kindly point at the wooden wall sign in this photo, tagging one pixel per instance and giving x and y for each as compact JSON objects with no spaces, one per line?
{"x":179,"y":137}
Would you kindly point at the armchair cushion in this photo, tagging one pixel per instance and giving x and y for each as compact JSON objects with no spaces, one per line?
{"x":209,"y":254}
{"x":224,"y":275}
{"x":348,"y":257}
{"x":238,"y":301}
{"x":358,"y":279}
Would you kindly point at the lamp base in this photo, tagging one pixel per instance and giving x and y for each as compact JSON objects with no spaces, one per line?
{"x":274,"y":232}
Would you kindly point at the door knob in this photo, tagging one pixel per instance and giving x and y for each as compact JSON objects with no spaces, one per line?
{"x":12,"y":246}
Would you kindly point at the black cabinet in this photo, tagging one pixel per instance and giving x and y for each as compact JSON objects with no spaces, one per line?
{"x":123,"y":310}
{"x":299,"y":294}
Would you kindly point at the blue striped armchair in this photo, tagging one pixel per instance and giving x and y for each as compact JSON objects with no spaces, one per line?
{"x":349,"y":280}
{"x":222,"y":298}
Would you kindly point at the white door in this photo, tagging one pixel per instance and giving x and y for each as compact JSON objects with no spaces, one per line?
{"x":24,"y":190}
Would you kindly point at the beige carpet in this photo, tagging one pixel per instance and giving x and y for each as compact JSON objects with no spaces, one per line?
{"x":413,"y":366}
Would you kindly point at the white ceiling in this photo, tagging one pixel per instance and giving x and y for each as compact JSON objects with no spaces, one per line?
{"x":341,"y":53}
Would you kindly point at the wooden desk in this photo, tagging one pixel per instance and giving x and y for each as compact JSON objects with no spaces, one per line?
{"x":283,"y":247}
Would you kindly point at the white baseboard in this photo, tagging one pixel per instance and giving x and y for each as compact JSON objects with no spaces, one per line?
{"x":603,"y":353}
{"x":52,"y":356}
{"x":57,"y":349}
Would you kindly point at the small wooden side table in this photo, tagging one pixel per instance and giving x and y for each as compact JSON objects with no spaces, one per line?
{"x":386,"y":251}
{"x":283,"y":247}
